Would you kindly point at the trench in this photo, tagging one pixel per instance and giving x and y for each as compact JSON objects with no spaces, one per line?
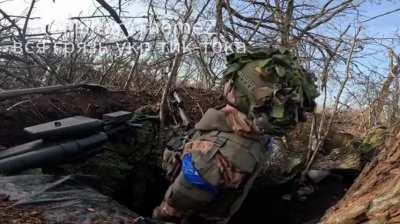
{"x":264,"y":204}
{"x":145,"y":187}
{"x":269,"y":205}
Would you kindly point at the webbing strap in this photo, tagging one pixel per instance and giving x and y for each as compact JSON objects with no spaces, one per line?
{"x":219,"y":142}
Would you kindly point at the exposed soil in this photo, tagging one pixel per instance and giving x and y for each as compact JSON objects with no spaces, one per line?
{"x":10,"y":214}
{"x":374,"y":197}
{"x":15,"y":114}
{"x":18,"y":113}
{"x":265,"y":204}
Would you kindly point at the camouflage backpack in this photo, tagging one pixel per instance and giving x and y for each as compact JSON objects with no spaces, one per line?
{"x":272,"y":81}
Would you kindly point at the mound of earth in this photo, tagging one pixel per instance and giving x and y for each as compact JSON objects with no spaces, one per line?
{"x":21,"y":112}
{"x":375,"y":195}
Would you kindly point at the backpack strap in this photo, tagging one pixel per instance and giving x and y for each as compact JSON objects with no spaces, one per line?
{"x":219,"y":143}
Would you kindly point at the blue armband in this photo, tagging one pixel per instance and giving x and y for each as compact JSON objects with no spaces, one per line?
{"x":191,"y":175}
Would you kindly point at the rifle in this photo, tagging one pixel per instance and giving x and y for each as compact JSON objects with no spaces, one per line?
{"x":176,"y":104}
{"x":66,"y":140}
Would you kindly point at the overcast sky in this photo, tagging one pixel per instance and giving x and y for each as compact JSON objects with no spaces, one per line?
{"x":48,"y":10}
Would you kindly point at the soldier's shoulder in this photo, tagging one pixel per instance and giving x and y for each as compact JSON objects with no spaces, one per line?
{"x":213,"y":120}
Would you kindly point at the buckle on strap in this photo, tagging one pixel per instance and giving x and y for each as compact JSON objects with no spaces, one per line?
{"x":220,"y":141}
{"x":192,"y":176}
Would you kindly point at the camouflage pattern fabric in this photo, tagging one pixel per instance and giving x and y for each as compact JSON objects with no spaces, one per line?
{"x":226,"y":162}
{"x":271,"y":81}
{"x":171,"y":160}
{"x":267,"y":93}
{"x":282,"y":164}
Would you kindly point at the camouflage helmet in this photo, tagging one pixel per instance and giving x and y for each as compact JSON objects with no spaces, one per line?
{"x":272,"y":82}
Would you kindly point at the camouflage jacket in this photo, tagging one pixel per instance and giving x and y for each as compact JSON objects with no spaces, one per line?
{"x":218,"y":168}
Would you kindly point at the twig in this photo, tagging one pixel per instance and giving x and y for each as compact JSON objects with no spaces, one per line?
{"x":198,"y":105}
{"x":107,"y":16}
{"x":321,"y":139}
{"x":380,"y":15}
{"x":117,"y":19}
{"x":17,"y":104}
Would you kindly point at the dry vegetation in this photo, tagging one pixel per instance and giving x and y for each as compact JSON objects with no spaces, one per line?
{"x":327,"y":36}
{"x":314,"y":30}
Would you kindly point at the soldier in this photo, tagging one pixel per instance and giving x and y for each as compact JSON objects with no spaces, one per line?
{"x":267,"y":94}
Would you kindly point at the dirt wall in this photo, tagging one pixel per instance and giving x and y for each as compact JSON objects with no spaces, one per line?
{"x":375,"y":195}
{"x":15,"y":114}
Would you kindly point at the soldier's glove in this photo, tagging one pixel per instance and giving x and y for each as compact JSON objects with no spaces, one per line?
{"x":171,"y":163}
